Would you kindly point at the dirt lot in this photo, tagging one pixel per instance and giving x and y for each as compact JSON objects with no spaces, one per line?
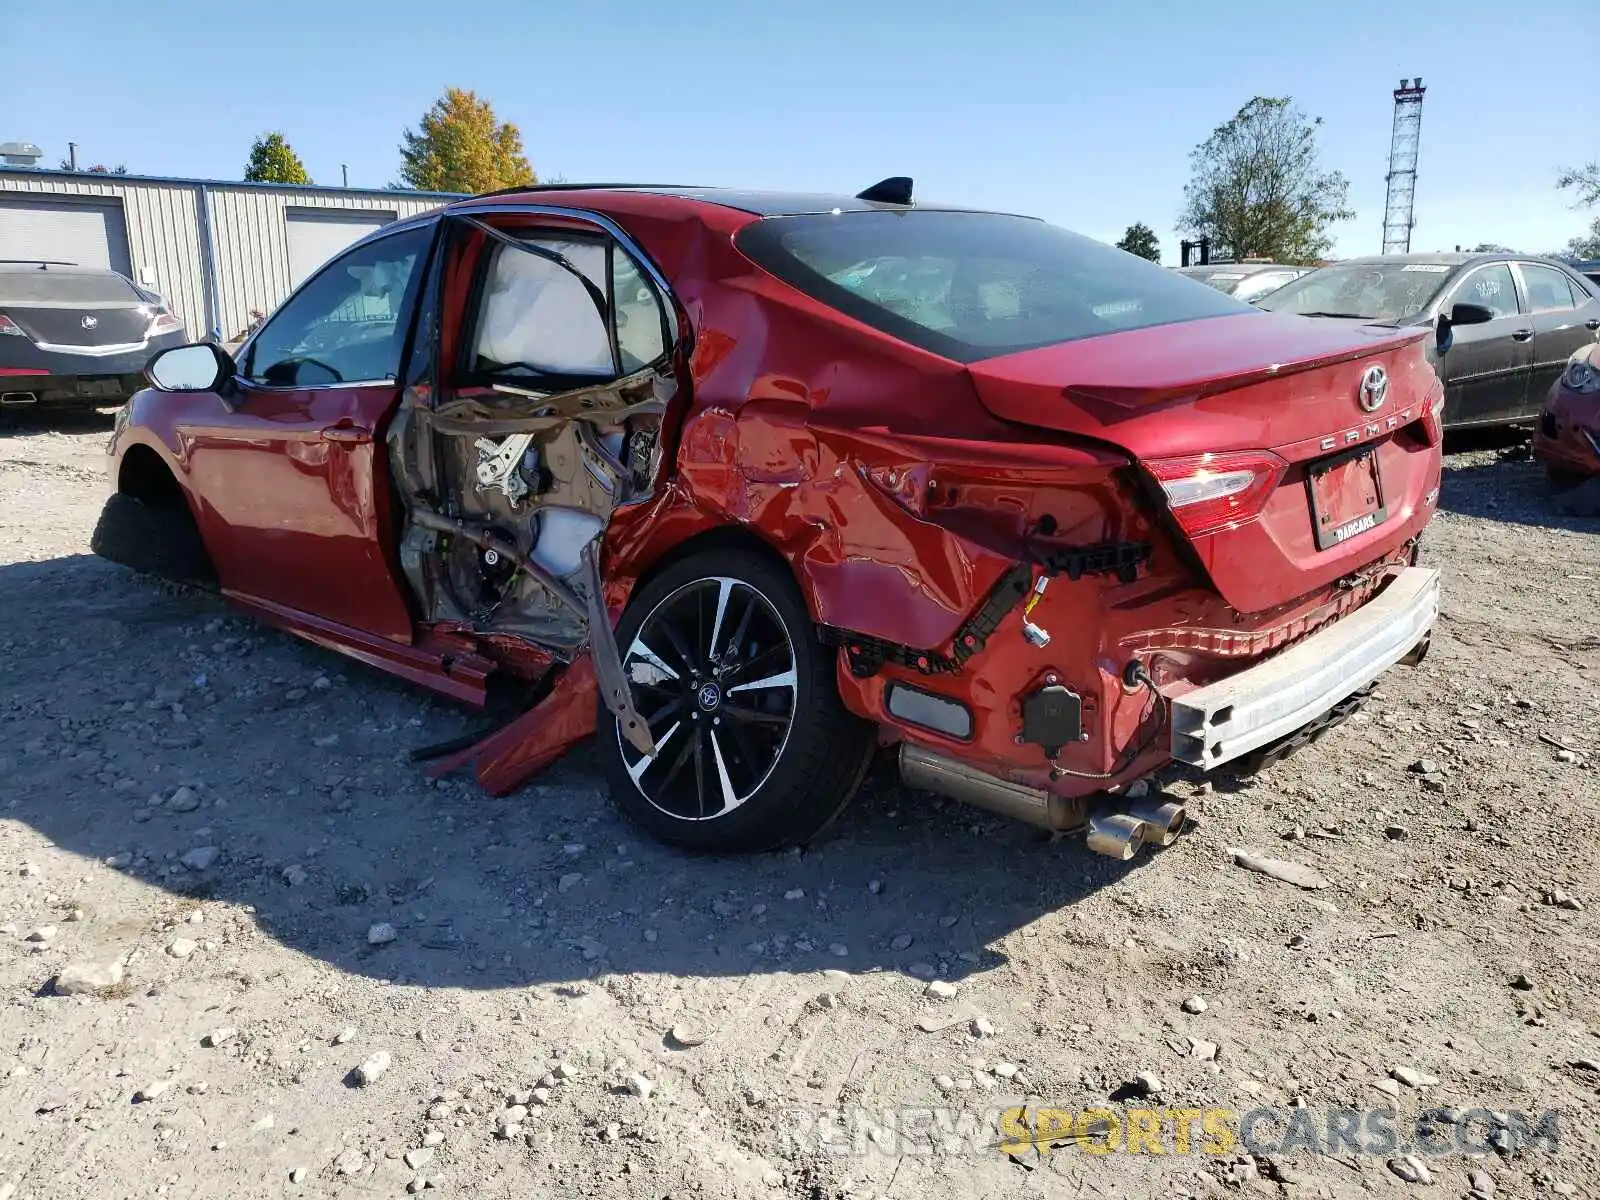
{"x":762,"y":1001}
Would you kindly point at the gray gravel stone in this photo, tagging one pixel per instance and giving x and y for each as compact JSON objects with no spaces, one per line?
{"x":201,"y":858}
{"x":88,"y":978}
{"x":373,"y":1069}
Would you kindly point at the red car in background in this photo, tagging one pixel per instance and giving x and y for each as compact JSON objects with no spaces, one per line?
{"x":762,"y":483}
{"x":1567,"y":438}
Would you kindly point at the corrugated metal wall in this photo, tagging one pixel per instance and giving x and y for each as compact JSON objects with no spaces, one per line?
{"x":164,"y":221}
{"x":253,"y":248}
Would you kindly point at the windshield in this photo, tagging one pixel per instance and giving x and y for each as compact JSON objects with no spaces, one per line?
{"x":1262,"y":283}
{"x":1223,"y":281}
{"x":974,"y":285}
{"x":1371,"y":291}
{"x":49,"y":288}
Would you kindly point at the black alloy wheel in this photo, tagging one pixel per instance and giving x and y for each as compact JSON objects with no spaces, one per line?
{"x":753,"y":747}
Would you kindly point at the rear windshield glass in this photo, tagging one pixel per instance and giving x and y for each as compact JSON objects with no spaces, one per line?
{"x":34,"y":285}
{"x":1372,"y":291}
{"x":975,"y":285}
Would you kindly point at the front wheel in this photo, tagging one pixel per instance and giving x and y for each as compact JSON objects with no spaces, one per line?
{"x":754,"y":749}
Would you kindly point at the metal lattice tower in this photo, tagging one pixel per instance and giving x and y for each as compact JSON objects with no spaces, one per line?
{"x":1402,"y":177}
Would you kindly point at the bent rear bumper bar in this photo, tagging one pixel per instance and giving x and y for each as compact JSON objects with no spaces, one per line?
{"x":1260,"y":704}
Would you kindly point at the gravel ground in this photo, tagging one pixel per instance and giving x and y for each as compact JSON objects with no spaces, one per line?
{"x":301,"y":969}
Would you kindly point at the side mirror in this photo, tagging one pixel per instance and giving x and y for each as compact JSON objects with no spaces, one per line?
{"x":1470,"y":314}
{"x":201,"y":367}
{"x":1461,"y":314}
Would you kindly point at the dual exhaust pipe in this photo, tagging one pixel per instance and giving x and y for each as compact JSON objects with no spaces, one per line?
{"x":1116,"y":834}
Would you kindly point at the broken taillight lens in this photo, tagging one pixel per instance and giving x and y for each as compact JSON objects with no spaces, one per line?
{"x":8,"y":327}
{"x":1208,"y":492}
{"x":1433,"y":422}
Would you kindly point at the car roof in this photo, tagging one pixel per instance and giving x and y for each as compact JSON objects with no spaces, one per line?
{"x":758,"y":203}
{"x":12,"y":266}
{"x":1249,"y":268}
{"x":1453,"y":259}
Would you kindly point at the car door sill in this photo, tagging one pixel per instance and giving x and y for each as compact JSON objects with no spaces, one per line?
{"x":461,"y":675}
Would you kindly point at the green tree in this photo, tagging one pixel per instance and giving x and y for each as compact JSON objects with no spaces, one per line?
{"x":1140,"y":239}
{"x":1587,"y":245}
{"x":1584,"y":182}
{"x":97,"y":169}
{"x":1257,"y":187}
{"x":273,"y":160}
{"x":460,"y":146}
{"x":1490,"y":248}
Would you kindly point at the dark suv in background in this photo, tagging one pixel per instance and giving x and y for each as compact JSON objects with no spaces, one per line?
{"x":77,"y":337}
{"x":1539,"y":313}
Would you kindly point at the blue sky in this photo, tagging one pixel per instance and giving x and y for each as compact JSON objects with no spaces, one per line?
{"x":1083,"y":113}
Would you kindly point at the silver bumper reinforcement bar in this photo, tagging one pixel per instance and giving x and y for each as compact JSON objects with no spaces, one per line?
{"x":1224,"y":720}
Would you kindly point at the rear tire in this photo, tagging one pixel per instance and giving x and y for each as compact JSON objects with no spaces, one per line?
{"x":1562,"y":480}
{"x":154,"y":539}
{"x":754,"y":748}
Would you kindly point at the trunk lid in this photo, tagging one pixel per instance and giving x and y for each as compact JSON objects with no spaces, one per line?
{"x":1235,"y":387}
{"x":74,"y":306}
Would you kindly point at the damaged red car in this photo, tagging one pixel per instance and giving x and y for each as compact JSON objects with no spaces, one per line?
{"x":763,"y":484}
{"x":1567,"y":437}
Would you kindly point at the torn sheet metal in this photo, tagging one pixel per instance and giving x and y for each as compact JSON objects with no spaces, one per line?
{"x":506,"y":759}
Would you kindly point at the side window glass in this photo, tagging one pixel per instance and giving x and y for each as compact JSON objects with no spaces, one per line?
{"x":537,"y":317}
{"x":641,"y":322}
{"x":1548,"y":290}
{"x":349,"y":323}
{"x":1491,"y":287}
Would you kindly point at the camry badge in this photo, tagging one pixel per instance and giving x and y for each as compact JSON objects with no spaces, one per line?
{"x":1374,"y":389}
{"x":91,"y":322}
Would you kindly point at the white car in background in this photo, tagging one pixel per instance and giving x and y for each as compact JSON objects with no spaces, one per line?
{"x":1247,"y":281}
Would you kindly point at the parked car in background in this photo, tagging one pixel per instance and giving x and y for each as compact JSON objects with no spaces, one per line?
{"x":1244,"y":281}
{"x":77,"y":337}
{"x":1567,"y":438}
{"x":1590,"y":268}
{"x":1496,"y":372}
{"x":757,"y":483}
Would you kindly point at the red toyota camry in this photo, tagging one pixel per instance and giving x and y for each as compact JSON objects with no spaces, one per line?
{"x":764,"y":483}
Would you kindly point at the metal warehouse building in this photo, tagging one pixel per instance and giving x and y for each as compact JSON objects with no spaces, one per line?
{"x":216,"y":250}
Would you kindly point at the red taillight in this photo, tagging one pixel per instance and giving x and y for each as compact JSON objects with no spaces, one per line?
{"x":1208,"y":492}
{"x":8,"y":327}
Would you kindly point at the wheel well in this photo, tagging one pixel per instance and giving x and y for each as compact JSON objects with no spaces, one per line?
{"x":145,"y":477}
{"x":723,"y":537}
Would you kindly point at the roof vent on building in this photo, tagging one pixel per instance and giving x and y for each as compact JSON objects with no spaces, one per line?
{"x":19,"y":154}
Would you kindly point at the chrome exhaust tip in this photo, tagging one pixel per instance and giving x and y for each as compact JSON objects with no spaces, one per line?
{"x":1162,"y":822}
{"x":1116,"y":835}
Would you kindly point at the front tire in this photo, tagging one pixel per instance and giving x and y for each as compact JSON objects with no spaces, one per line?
{"x":154,"y":539}
{"x":754,"y":749}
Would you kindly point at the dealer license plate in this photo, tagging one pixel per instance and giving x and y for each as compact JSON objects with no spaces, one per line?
{"x":1346,"y":497}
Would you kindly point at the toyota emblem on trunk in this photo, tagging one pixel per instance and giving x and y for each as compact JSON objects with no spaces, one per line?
{"x":90,"y":322}
{"x":1374,"y":389}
